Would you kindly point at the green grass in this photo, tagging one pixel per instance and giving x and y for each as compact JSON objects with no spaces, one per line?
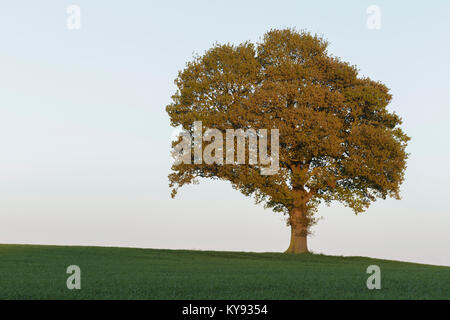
{"x":39,"y":272}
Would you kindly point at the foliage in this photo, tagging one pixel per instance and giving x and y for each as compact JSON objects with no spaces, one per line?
{"x":338,"y":141}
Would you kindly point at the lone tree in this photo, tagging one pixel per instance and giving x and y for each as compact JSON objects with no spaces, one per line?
{"x":337,"y":140}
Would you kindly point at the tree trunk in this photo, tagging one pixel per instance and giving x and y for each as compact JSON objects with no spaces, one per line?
{"x":299,"y":232}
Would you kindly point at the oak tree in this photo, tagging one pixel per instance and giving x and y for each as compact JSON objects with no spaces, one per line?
{"x":337,"y":139}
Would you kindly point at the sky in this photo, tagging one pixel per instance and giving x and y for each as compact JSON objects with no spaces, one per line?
{"x":85,"y":139}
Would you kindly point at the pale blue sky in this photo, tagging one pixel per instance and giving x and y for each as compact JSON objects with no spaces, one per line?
{"x":84,"y":136}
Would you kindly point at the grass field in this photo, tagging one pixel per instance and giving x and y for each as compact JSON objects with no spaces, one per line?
{"x":39,"y":272}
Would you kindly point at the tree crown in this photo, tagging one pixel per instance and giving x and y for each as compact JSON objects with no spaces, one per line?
{"x":337,"y":141}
